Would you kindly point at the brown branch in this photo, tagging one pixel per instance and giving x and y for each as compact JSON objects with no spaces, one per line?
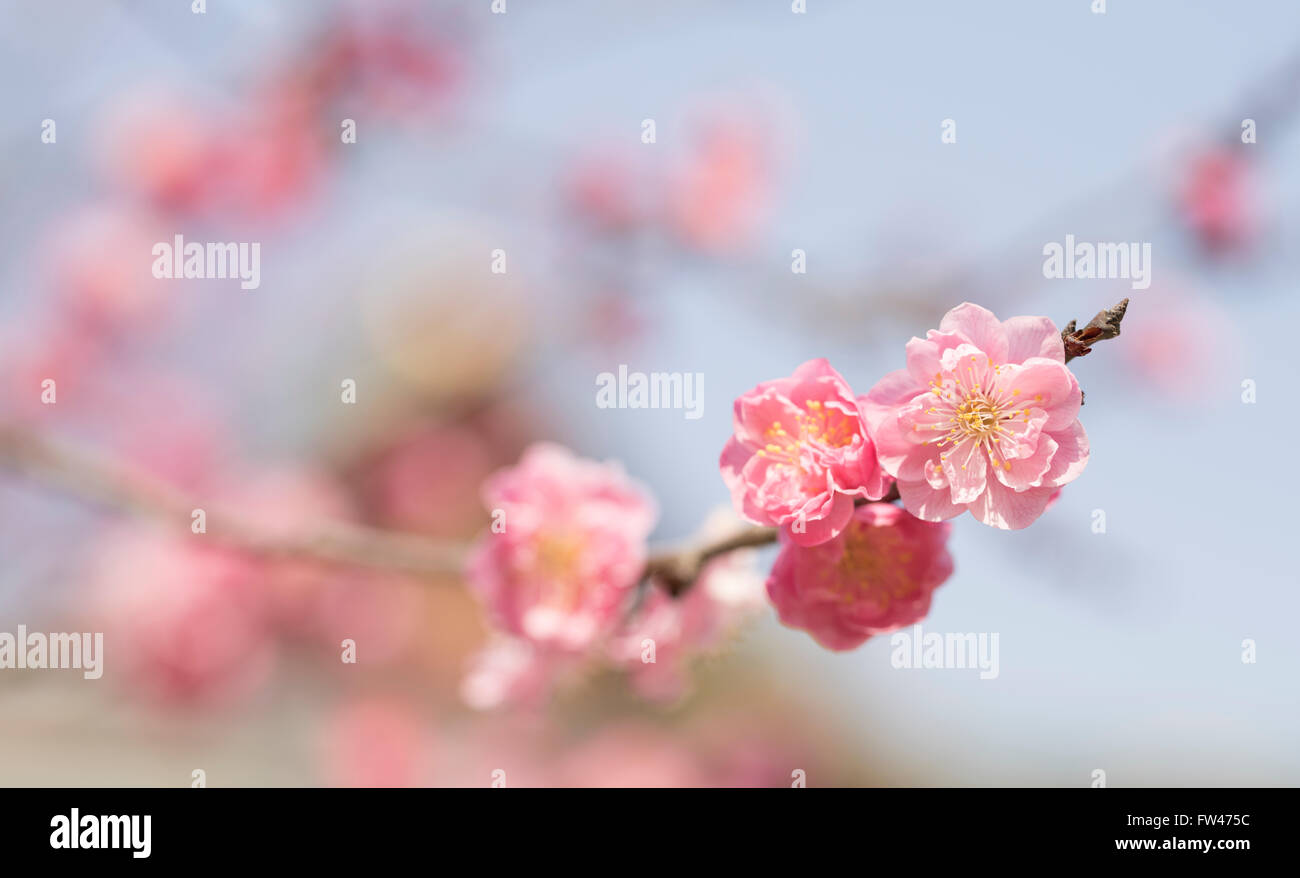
{"x":117,"y":487}
{"x":677,"y":570}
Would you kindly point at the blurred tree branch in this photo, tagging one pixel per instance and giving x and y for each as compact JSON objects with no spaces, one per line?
{"x":83,"y":475}
{"x":112,"y":485}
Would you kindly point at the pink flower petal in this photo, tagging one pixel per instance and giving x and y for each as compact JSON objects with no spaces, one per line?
{"x":927,"y":503}
{"x":1027,"y":472}
{"x":1050,"y":386}
{"x":1001,"y":507}
{"x":1071,"y":455}
{"x":825,"y":527}
{"x":980,"y":326}
{"x":1033,"y":337}
{"x":966,"y":467}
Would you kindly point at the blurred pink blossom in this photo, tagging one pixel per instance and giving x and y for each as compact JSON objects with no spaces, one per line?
{"x":158,"y":423}
{"x":63,"y":353}
{"x":182,"y":621}
{"x":611,"y":191}
{"x":428,"y":480}
{"x":395,"y":59}
{"x":512,"y":672}
{"x":1178,"y":318}
{"x":719,"y":195}
{"x":1216,"y":201}
{"x":571,"y":547}
{"x":99,"y":270}
{"x":377,"y":741}
{"x":249,"y":162}
{"x":631,"y":755}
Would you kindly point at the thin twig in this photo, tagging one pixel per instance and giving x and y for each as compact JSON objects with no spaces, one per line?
{"x":1079,"y":342}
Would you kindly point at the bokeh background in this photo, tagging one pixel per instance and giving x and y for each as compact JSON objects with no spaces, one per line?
{"x":522,"y":131}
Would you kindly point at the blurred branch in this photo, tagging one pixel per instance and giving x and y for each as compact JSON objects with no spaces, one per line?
{"x":119,"y":487}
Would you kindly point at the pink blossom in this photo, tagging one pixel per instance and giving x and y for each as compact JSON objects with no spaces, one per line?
{"x":876,"y":577}
{"x":606,"y":189}
{"x":1217,"y":202}
{"x":427,"y":480}
{"x":95,"y":273}
{"x":185,"y":622}
{"x":250,"y":162}
{"x":376,"y":741}
{"x":717,"y":198}
{"x":1176,"y":318}
{"x":158,"y":422}
{"x":570,"y":547}
{"x":800,"y":455}
{"x":157,"y":147}
{"x":512,"y":672}
{"x":632,"y":754}
{"x":984,"y":418}
{"x":396,"y":59}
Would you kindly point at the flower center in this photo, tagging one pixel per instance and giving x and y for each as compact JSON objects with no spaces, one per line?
{"x":815,"y":424}
{"x":555,"y":567}
{"x":874,"y":565}
{"x":981,"y":415}
{"x":825,"y":425}
{"x":977,"y":416}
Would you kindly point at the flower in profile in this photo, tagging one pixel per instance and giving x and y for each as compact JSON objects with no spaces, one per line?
{"x":567,"y":547}
{"x":875,"y":577}
{"x":801,"y":454}
{"x":984,"y":418}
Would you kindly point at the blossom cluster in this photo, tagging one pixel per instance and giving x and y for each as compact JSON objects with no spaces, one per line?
{"x":982,"y":419}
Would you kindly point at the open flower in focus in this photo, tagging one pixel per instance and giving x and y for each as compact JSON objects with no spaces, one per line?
{"x":984,"y":418}
{"x":801,"y":454}
{"x":567,"y":546}
{"x":875,"y":577}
